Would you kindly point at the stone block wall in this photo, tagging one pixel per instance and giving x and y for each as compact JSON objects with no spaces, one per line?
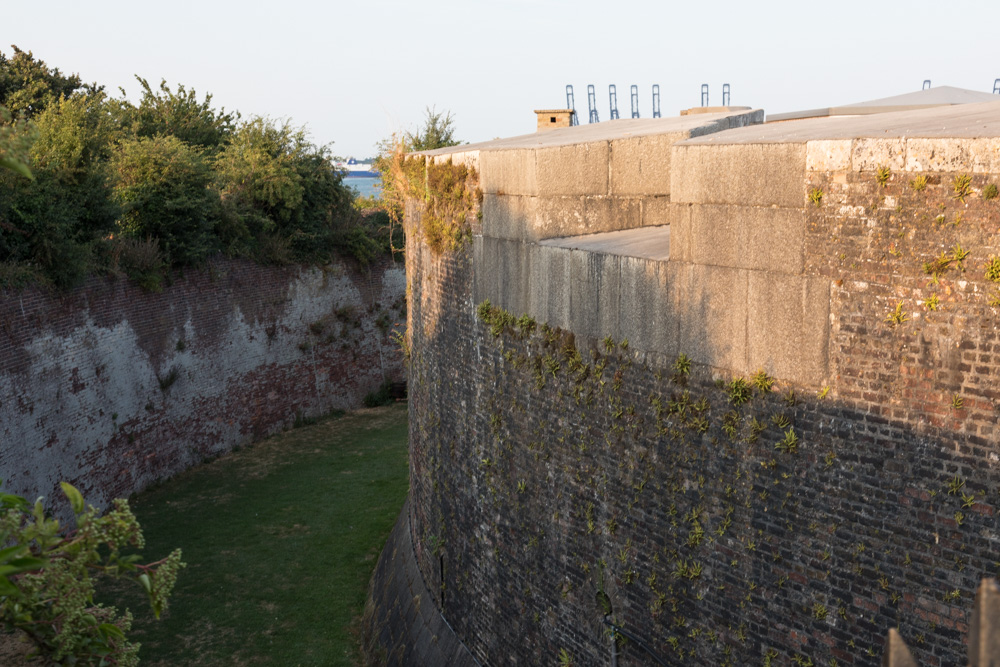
{"x":111,"y":388}
{"x":769,"y":449}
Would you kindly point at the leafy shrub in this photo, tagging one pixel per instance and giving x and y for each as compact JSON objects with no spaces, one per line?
{"x":140,"y":259}
{"x":381,"y":396}
{"x":46,"y":585}
{"x":162,"y":185}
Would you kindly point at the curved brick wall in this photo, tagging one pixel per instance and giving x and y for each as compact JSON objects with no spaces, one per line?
{"x":111,"y":388}
{"x":725,"y":525}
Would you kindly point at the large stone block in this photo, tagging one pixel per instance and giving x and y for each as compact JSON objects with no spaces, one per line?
{"x":558,"y":216}
{"x":468,"y":158}
{"x":868,"y":154}
{"x":576,"y":169}
{"x":984,"y":155}
{"x":611,"y":214}
{"x":508,"y":216}
{"x":641,"y":165}
{"x":594,"y":293}
{"x":712,"y":311}
{"x":501,"y":273}
{"x":748,"y":174}
{"x":788,"y":324}
{"x":656,"y":211}
{"x":549,"y":284}
{"x":509,"y":172}
{"x":937,"y":155}
{"x":647,"y":315}
{"x":828,"y":155}
{"x":680,"y":232}
{"x":748,"y":237}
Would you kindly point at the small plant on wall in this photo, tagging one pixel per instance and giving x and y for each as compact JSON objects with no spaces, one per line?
{"x":882,"y":175}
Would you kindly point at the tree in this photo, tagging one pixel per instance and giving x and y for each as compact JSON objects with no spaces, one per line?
{"x":438,"y":132}
{"x":16,"y":138}
{"x":163,"y":186}
{"x":180,"y":114}
{"x":281,"y":194}
{"x":28,"y":85}
{"x":51,"y":222}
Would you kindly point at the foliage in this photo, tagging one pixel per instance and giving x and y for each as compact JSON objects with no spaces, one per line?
{"x":400,"y":175}
{"x":170,"y":169}
{"x":882,"y":175}
{"x":28,"y":85}
{"x":448,"y":195}
{"x":274,"y":182}
{"x":180,"y":114}
{"x":15,"y":142}
{"x":739,"y":391}
{"x":993,"y":269}
{"x":896,"y":316}
{"x":162,"y":186}
{"x":961,"y":186}
{"x":46,"y":585}
{"x":53,"y":221}
{"x":438,"y":132}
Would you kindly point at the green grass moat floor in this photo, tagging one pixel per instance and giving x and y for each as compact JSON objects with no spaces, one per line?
{"x":280,"y":539}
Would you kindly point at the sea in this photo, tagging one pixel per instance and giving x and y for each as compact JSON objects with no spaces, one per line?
{"x":366,"y":186}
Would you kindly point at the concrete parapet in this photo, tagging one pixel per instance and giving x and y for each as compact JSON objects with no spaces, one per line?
{"x":828,"y":155}
{"x":647,"y":308}
{"x":508,"y":216}
{"x":549,"y":270}
{"x":578,"y":169}
{"x":501,"y":273}
{"x":872,"y":154}
{"x":595,"y":289}
{"x":655,"y":211}
{"x":468,"y":158}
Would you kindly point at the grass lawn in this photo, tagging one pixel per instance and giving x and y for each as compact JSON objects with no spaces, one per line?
{"x":280,"y":540}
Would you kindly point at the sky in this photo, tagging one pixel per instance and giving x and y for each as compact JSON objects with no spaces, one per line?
{"x":355,"y":72}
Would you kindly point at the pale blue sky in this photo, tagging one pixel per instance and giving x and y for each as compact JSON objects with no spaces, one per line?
{"x":353,"y":72}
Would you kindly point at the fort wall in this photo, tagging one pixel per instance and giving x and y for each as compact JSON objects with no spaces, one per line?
{"x":111,"y":388}
{"x":758,"y":425}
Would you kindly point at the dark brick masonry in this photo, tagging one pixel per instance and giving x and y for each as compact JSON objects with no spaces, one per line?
{"x":795,"y":527}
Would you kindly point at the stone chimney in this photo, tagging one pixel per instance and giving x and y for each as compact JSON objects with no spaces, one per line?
{"x":550,"y":119}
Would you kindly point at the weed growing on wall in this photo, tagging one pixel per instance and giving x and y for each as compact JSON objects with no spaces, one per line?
{"x":448,"y":196}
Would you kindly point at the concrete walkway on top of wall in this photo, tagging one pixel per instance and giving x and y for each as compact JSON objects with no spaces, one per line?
{"x":645,"y":242}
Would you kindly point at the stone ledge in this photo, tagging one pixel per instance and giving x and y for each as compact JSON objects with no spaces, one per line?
{"x":404,"y":620}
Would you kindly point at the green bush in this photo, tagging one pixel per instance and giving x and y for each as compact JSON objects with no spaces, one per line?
{"x":80,"y":172}
{"x":163,"y":187}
